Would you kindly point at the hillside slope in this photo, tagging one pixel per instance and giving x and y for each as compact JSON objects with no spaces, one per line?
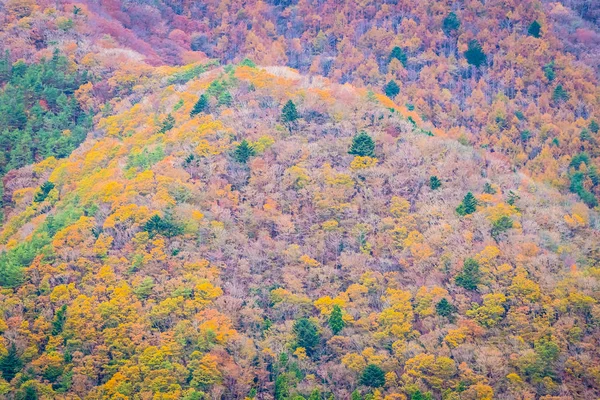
{"x":517,"y":78}
{"x":243,"y":252}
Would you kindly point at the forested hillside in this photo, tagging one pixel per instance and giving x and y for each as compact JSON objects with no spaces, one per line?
{"x":299,"y":200}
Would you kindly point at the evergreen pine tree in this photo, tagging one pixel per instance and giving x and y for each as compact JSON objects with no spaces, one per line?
{"x":434,"y":182}
{"x":243,"y":152}
{"x":372,"y":376}
{"x":282,"y":390}
{"x":200,"y":106}
{"x":59,"y":320}
{"x":336,"y":322}
{"x":451,"y":24}
{"x":391,"y":89}
{"x":362,"y":145}
{"x":444,"y":308}
{"x":11,"y":363}
{"x":289,"y":113}
{"x":534,"y":29}
{"x":469,"y":277}
{"x":307,"y":335}
{"x":593,"y":126}
{"x":474,"y":54}
{"x":399,"y":55}
{"x":560,"y":94}
{"x":488,"y":188}
{"x":43,"y":192}
{"x":167,"y":124}
{"x":468,"y":205}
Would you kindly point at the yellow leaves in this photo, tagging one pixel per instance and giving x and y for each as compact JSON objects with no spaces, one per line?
{"x":456,"y":337}
{"x":399,"y":207}
{"x":107,"y":275}
{"x":435,"y":371}
{"x":514,"y":379}
{"x":263,"y":143}
{"x":396,"y":319}
{"x":426,"y":299}
{"x":325,"y":304}
{"x":492,"y":310}
{"x":102,"y":245}
{"x":296,"y":177}
{"x":75,"y":234}
{"x":524,"y":288}
{"x":480,"y":391}
{"x":63,"y":293}
{"x":281,"y":295}
{"x":45,"y":165}
{"x":574,"y":221}
{"x":205,"y":369}
{"x":309,"y":262}
{"x":300,"y":353}
{"x":205,"y":149}
{"x":330,"y":225}
{"x":336,"y":179}
{"x":206,"y":291}
{"x":365,"y":162}
{"x":130,"y":214}
{"x":494,"y":213}
{"x":354,"y":362}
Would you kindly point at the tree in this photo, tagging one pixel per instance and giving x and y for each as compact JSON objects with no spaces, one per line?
{"x":59,"y":320}
{"x":549,"y":71}
{"x":534,"y":29}
{"x":391,"y":89}
{"x":200,"y":106}
{"x":11,"y":363}
{"x":560,"y":94}
{"x":167,"y":124}
{"x":336,"y":322}
{"x":43,"y":192}
{"x":593,"y":126}
{"x":307,"y":335}
{"x":418,"y":395}
{"x":166,"y":226}
{"x":470,"y":276}
{"x":475,"y":55}
{"x":289,"y":114}
{"x":434,"y":182}
{"x":500,"y":226}
{"x":444,"y":308}
{"x":243,"y":152}
{"x":362,"y":145}
{"x":225,"y":98}
{"x":488,"y":188}
{"x":468,"y":205}
{"x":372,"y":376}
{"x":282,"y":390}
{"x":399,"y":55}
{"x":451,"y":24}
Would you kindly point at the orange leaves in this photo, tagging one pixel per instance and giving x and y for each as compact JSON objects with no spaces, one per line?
{"x":74,"y":235}
{"x":130,"y":214}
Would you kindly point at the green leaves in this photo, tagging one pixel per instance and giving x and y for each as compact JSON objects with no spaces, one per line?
{"x":243,"y":152}
{"x":372,"y":376}
{"x":470,"y":276}
{"x":391,"y":89}
{"x":362,"y":145}
{"x":475,"y":55}
{"x":336,"y":322}
{"x":468,"y":205}
{"x":307,"y":335}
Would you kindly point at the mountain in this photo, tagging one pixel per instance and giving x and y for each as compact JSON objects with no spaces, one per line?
{"x":203,"y":221}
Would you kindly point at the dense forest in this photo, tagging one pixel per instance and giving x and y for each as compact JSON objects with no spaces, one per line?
{"x":296,"y":200}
